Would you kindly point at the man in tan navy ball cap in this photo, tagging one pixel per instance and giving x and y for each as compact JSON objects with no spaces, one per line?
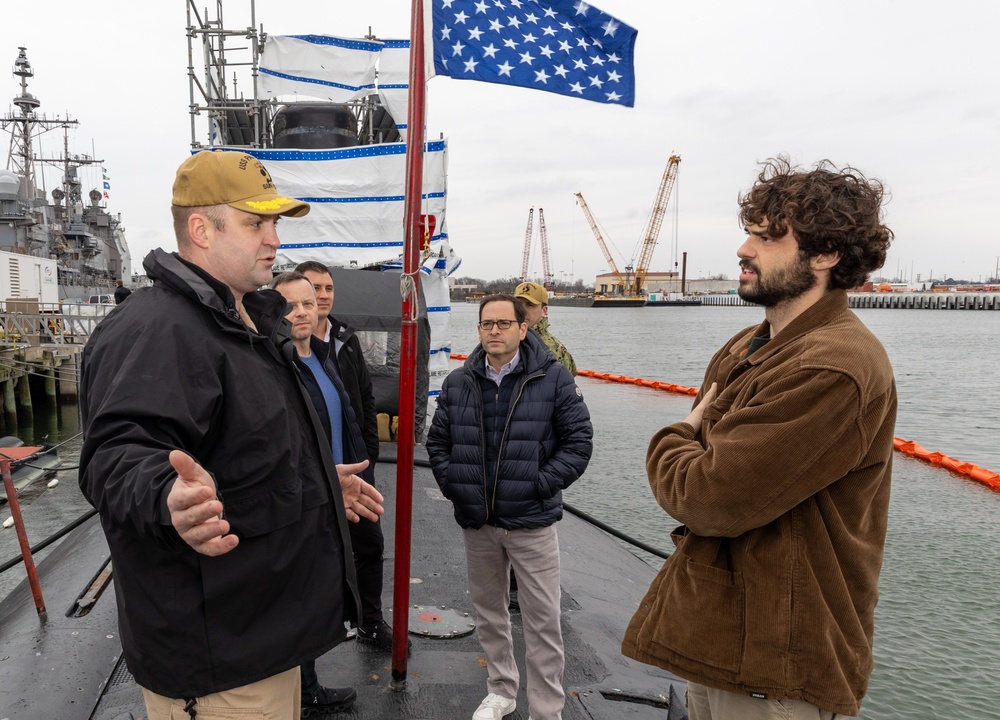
{"x":235,"y":179}
{"x":225,"y":513}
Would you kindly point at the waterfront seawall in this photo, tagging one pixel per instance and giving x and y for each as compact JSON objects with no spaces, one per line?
{"x":894,"y":301}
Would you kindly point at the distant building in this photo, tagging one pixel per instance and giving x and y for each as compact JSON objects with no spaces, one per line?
{"x":665,"y":282}
{"x":461,"y":289}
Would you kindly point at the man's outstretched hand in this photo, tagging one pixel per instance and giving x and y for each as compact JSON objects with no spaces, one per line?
{"x":195,"y":511}
{"x":361,"y":500}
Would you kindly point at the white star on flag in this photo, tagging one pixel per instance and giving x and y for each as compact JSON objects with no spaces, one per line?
{"x":580,"y":50}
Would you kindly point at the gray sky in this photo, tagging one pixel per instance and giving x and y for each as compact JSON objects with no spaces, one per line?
{"x":905,"y":91}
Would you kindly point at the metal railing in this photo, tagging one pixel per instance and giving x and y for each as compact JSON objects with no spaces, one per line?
{"x":72,"y":326}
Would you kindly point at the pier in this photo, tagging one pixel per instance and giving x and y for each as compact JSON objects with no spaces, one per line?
{"x":39,"y":357}
{"x":893,"y":300}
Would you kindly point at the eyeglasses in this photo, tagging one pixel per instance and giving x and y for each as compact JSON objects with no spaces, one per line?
{"x":487,"y":325}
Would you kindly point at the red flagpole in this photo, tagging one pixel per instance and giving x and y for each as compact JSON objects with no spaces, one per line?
{"x":22,"y":536}
{"x":408,"y":346}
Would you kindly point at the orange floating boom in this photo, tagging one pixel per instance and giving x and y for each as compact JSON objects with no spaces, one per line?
{"x":907,"y":447}
{"x":987,"y":477}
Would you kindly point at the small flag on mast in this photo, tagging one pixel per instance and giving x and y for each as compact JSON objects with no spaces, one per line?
{"x":562,"y":46}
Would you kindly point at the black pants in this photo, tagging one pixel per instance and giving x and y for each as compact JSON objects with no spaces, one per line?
{"x":369,"y":548}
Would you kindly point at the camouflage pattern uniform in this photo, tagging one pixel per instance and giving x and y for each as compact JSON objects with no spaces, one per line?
{"x":557,"y":348}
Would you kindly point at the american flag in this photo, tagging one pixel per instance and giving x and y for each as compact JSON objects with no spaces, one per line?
{"x":562,"y":46}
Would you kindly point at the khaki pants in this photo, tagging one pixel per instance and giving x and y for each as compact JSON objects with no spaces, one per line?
{"x":490,"y":552}
{"x":275,"y":698}
{"x":705,"y":703}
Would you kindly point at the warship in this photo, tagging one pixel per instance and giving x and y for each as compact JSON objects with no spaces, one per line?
{"x":69,"y":228}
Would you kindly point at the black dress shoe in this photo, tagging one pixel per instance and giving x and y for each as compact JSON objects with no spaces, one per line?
{"x":379,"y":635}
{"x":328,"y":700}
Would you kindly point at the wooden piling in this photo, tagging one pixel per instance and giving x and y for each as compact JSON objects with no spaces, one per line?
{"x":9,"y":403}
{"x":69,"y":369}
{"x":49,"y":360}
{"x":24,"y":395}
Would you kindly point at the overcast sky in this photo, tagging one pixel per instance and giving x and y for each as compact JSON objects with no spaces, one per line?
{"x":907,"y":91}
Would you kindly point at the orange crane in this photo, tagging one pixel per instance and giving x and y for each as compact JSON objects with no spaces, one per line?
{"x":652,"y":231}
{"x":622,"y":286}
{"x":544,"y":241}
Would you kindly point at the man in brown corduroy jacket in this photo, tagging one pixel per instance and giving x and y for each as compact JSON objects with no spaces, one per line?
{"x":780,"y":474}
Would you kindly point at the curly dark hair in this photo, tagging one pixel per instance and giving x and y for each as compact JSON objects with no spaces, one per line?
{"x":829,"y":210}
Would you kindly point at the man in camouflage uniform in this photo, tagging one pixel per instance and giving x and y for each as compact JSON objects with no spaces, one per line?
{"x":536,"y":310}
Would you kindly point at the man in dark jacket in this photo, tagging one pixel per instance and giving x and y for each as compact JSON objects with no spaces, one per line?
{"x":366,"y":537}
{"x":217,"y":492}
{"x":511,"y":431}
{"x":536,"y":313}
{"x":121,"y":292}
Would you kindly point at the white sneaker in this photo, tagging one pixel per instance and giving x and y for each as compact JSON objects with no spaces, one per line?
{"x":494,"y":707}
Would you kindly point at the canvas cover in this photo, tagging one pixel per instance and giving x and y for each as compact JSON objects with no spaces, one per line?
{"x":320,"y":67}
{"x":370,"y":302}
{"x":357,"y":196}
{"x":325,"y":67}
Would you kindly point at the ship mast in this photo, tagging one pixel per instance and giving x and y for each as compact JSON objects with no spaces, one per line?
{"x":88,"y":243}
{"x":21,"y":156}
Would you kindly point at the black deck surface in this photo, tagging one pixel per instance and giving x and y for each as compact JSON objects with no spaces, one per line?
{"x":57,"y":670}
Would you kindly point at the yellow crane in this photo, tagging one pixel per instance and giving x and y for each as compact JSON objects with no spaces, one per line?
{"x":629,"y":285}
{"x":652,"y":231}
{"x":622,"y":286}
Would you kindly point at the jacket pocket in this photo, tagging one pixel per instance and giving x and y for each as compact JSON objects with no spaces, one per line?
{"x":266,"y":511}
{"x":699,"y":613}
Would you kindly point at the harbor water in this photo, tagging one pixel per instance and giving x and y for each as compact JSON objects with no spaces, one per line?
{"x":937,"y":634}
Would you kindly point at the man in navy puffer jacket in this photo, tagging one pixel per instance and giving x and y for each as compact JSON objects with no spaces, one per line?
{"x":511,"y":431}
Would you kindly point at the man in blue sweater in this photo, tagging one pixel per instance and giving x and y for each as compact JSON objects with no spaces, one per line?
{"x":367,"y":541}
{"x":318,"y":374}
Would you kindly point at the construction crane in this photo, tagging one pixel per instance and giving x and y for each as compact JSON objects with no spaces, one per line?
{"x":652,"y":231}
{"x":622,"y":286}
{"x":527,"y":246}
{"x":544,"y":242}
